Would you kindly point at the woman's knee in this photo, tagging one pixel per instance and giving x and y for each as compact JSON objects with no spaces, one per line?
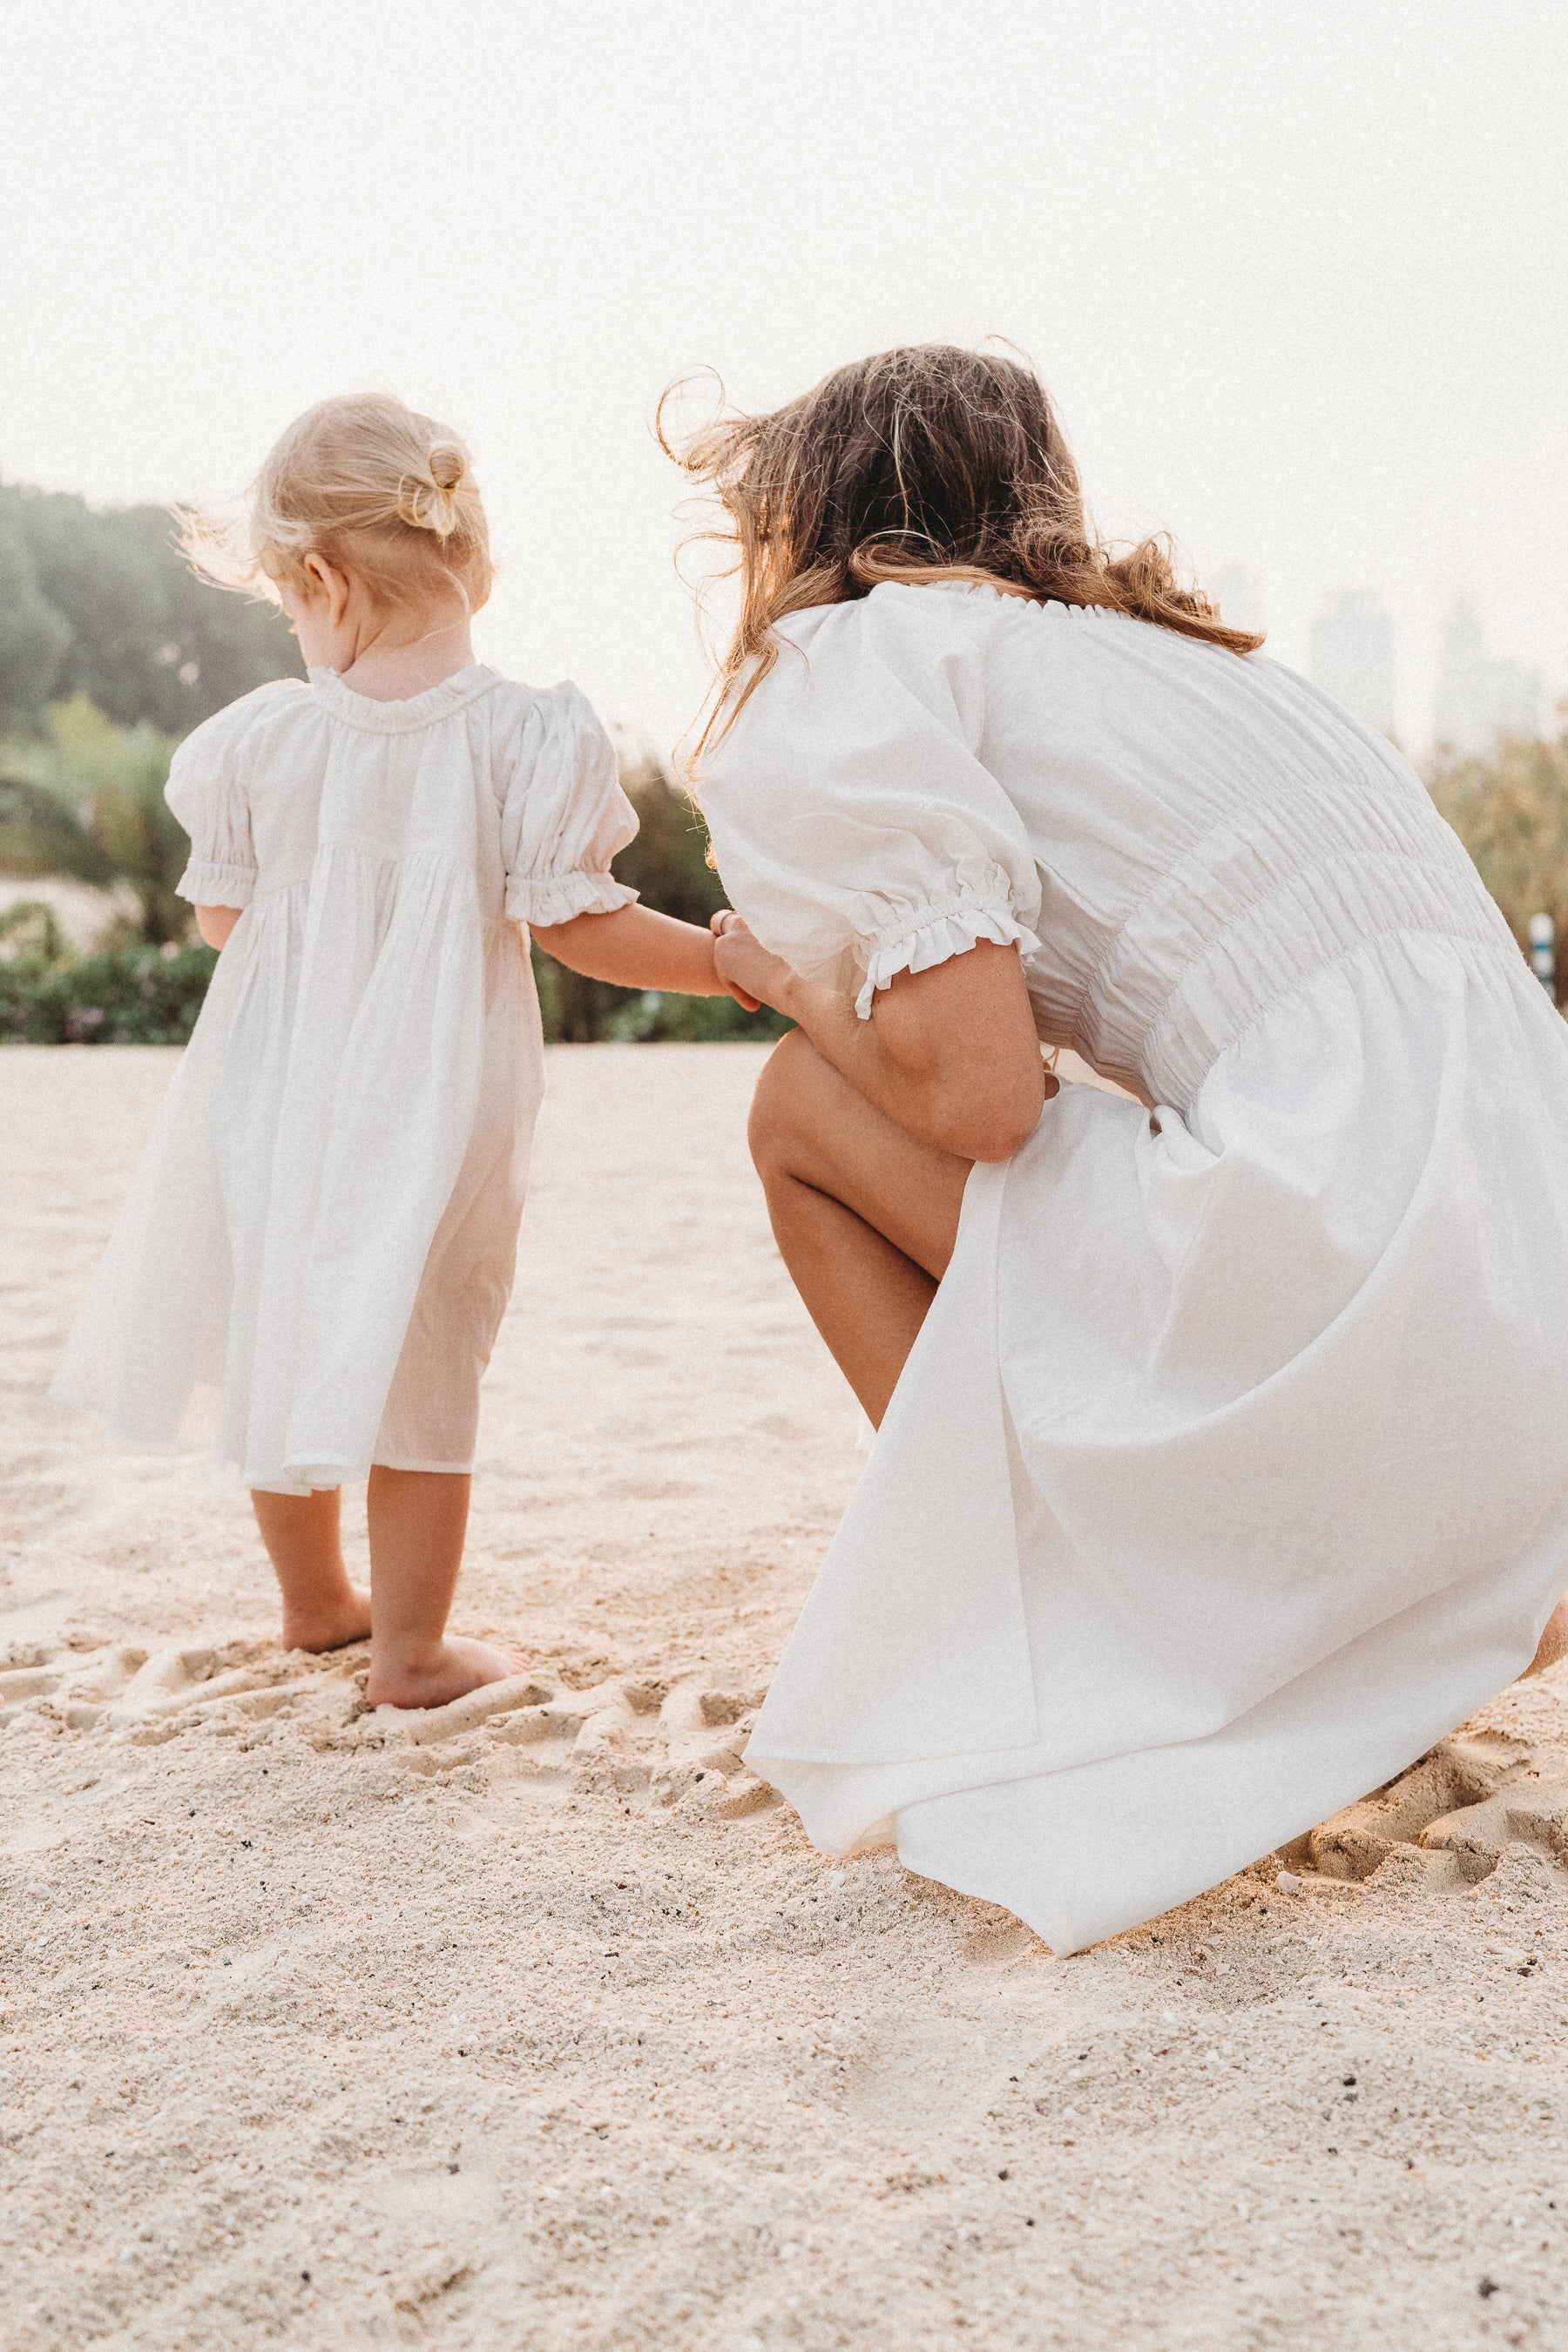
{"x":780,"y":1121}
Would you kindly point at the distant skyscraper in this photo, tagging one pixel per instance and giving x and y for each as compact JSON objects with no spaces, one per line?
{"x":1239,"y":592}
{"x":1460,"y":716}
{"x":1478,"y":699}
{"x":1351,"y":657}
{"x":1516,"y":699}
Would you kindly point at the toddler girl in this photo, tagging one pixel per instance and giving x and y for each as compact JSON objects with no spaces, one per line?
{"x":317,"y":1249}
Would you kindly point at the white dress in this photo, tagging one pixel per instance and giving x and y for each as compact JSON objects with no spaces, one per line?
{"x":1230,"y":1469}
{"x":314,"y":1258}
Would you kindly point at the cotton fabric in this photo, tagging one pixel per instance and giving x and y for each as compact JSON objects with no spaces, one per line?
{"x":315,"y":1256}
{"x":1230,"y":1468}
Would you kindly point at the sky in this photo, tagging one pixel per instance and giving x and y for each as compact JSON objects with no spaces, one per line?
{"x":1295,"y":270}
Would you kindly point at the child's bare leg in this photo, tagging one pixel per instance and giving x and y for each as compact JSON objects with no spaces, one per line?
{"x":417,"y":1522}
{"x":322,"y":1610}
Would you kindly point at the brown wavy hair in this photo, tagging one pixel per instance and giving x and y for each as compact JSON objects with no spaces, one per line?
{"x":925,"y":463}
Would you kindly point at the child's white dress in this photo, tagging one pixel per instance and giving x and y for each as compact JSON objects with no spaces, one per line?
{"x":316,"y":1253}
{"x":1230,"y":1468}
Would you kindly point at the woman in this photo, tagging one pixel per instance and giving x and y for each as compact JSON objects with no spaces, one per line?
{"x":1223,"y":1461}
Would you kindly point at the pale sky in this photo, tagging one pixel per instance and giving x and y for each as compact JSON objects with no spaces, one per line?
{"x":1297,"y":274}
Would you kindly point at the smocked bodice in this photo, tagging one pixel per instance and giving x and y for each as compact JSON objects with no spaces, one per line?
{"x":1173,"y":836}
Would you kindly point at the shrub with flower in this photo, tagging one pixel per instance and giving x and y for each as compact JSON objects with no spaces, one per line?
{"x":140,"y":995}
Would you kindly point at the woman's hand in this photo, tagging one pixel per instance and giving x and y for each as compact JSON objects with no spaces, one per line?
{"x":751,"y":973}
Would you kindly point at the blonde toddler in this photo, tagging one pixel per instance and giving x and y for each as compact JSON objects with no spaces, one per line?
{"x":317,"y":1249}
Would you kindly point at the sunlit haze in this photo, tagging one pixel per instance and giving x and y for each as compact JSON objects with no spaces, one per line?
{"x":1296,"y":274}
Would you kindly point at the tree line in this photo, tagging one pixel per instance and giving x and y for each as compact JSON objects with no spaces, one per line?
{"x":111,"y":650}
{"x":99,"y":602}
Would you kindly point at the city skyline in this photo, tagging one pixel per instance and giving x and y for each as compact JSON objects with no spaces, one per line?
{"x":1356,"y":648}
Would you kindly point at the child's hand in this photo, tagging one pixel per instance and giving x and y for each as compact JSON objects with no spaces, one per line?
{"x":752,"y":974}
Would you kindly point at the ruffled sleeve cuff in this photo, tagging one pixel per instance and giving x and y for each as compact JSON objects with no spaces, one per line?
{"x":206,"y":885}
{"x":548,"y":898}
{"x":931,"y":936}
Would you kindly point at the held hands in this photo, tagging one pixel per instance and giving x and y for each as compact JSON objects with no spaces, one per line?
{"x":752,"y":976}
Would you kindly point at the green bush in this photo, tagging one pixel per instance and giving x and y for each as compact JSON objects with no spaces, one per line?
{"x":124,"y":996}
{"x":84,"y":801}
{"x":151,"y":996}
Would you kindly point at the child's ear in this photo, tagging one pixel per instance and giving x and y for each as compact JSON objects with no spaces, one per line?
{"x":328,"y":582}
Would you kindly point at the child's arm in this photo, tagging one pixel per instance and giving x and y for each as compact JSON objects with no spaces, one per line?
{"x":639,"y":948}
{"x":214,"y":924}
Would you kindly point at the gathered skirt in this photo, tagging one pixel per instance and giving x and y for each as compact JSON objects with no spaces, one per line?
{"x":1230,"y":1468}
{"x":314,"y":1259}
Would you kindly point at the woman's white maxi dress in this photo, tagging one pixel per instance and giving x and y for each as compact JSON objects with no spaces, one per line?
{"x":1230,"y":1469}
{"x":317,"y":1249}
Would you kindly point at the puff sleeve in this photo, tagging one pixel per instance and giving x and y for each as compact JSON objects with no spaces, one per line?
{"x":565,"y":815}
{"x":206,"y":794}
{"x":853,"y":822}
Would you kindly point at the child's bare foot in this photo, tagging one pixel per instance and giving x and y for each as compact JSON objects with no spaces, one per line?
{"x":449,"y":1671}
{"x":1552,"y":1644}
{"x":328,"y":1625}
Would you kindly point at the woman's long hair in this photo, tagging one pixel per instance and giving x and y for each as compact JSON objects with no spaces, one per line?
{"x":925,"y":463}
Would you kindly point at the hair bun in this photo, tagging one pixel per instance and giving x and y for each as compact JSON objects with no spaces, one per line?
{"x":425,"y":504}
{"x":427,"y":501}
{"x":447,"y":466}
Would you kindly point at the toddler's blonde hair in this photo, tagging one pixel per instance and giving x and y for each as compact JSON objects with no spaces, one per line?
{"x":365,"y":481}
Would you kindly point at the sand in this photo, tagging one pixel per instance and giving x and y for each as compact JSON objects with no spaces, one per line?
{"x":545,"y":2027}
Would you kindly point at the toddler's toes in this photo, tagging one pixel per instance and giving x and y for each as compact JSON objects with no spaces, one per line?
{"x":490,"y":1661}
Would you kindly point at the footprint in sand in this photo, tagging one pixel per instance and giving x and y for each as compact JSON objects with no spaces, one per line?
{"x":77,"y":1682}
{"x":675,"y":1741}
{"x":1456,"y":1813}
{"x":87,"y":1686}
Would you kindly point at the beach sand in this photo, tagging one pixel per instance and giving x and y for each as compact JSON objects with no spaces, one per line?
{"x":545,"y":2027}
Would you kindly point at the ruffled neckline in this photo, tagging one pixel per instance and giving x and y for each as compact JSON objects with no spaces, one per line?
{"x":414,"y":710}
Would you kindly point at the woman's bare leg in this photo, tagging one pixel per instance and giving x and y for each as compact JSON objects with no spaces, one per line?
{"x":322,"y":1610}
{"x":418,"y":1519}
{"x":865,"y":1217}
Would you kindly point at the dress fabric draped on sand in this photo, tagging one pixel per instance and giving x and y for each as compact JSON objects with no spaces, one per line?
{"x":314,"y":1261}
{"x":1230,"y":1468}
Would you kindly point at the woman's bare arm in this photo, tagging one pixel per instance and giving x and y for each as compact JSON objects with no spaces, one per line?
{"x":636,"y":948}
{"x":951,"y":1054}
